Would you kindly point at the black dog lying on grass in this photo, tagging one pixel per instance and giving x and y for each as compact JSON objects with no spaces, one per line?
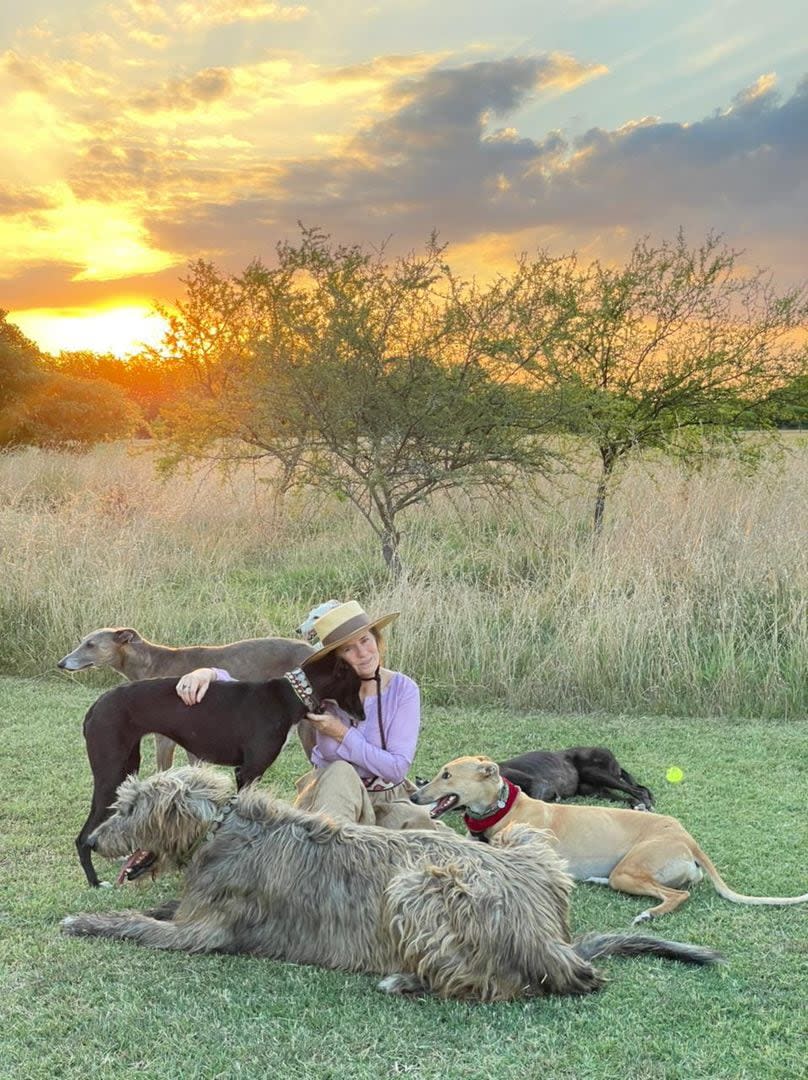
{"x":243,"y":724}
{"x":582,"y":770}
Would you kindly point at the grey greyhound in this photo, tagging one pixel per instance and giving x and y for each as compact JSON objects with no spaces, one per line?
{"x":131,"y":655}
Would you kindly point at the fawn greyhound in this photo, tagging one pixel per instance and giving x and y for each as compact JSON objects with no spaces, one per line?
{"x":132,"y":656}
{"x":641,"y":854}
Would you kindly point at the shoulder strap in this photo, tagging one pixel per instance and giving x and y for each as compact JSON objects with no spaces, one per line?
{"x":379,"y":706}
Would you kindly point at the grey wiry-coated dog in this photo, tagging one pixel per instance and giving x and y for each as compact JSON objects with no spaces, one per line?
{"x":430,"y":912}
{"x":131,"y":655}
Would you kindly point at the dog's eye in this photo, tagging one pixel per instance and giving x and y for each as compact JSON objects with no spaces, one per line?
{"x":90,"y":645}
{"x":445,"y":774}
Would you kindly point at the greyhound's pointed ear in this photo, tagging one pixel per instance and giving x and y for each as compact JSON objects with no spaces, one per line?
{"x":125,"y":635}
{"x":489,"y":769}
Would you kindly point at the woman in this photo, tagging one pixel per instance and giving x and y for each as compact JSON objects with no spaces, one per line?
{"x":359,"y":770}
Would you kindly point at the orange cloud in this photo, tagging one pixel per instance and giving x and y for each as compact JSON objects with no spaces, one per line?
{"x":100,"y":241}
{"x":762,"y":87}
{"x":564,"y":73}
{"x":184,"y":95}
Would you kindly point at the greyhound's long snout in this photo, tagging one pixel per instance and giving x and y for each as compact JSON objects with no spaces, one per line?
{"x":71,"y":663}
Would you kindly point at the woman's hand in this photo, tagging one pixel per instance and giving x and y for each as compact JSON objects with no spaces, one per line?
{"x":327,"y":724}
{"x":193,"y":686}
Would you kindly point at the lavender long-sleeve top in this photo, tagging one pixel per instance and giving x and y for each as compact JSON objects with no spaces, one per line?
{"x":362,"y":744}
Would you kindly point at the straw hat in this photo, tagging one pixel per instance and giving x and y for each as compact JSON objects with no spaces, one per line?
{"x":341,"y":624}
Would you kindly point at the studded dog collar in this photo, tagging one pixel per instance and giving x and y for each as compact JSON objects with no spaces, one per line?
{"x":299,"y":682}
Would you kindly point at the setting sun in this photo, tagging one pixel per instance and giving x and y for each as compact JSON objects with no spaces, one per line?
{"x":119,"y":330}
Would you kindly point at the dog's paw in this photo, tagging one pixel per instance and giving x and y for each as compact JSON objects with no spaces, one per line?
{"x":73,"y":925}
{"x":644,"y":916}
{"x":104,"y":884}
{"x":399,"y":983}
{"x":80,"y":925}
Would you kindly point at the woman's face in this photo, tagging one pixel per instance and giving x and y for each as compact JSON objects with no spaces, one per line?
{"x":362,"y":654}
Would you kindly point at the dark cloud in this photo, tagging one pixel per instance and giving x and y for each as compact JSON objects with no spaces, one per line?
{"x":436,"y":160}
{"x":435,"y":163}
{"x":441,"y":119}
{"x":458,"y":99}
{"x":423,"y":165}
{"x":747,"y":160}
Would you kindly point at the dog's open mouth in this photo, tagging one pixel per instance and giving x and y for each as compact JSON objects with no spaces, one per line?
{"x":444,"y":803}
{"x":137,"y":863}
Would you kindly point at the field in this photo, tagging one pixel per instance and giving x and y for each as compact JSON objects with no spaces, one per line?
{"x":682,"y":639}
{"x":79,"y":1007}
{"x":695,"y":603}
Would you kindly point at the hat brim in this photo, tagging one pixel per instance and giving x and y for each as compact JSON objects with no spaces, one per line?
{"x":375,"y":624}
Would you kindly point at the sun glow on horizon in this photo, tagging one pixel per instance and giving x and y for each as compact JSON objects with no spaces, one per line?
{"x":118,"y":330}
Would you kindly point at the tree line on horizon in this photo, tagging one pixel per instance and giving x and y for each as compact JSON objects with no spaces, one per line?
{"x":383,"y":380}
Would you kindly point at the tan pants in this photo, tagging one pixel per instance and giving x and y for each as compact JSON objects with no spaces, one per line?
{"x":337,"y":792}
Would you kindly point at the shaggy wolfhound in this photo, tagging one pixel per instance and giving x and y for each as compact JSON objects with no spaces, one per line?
{"x":432,"y":913}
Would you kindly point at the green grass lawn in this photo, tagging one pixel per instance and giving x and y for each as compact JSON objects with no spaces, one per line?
{"x":78,"y":1008}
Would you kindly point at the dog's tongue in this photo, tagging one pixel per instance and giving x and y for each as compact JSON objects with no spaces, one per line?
{"x":137,"y":862}
{"x":446,"y":802}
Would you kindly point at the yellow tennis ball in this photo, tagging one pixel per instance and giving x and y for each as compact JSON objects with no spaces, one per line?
{"x":674,"y":775}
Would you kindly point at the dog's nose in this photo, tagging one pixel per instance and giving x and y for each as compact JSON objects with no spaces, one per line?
{"x":92,"y":841}
{"x":61,"y":663}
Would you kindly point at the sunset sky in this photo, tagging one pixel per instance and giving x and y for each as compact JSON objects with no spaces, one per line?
{"x":141,"y":134}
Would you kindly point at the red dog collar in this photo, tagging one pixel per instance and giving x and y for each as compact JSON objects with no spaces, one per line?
{"x":480,"y":824}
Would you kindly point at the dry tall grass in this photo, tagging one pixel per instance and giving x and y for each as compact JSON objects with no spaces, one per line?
{"x":694,"y":602}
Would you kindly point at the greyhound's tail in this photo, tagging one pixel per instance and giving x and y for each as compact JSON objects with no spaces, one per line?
{"x":593,"y":946}
{"x":721,"y":887}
